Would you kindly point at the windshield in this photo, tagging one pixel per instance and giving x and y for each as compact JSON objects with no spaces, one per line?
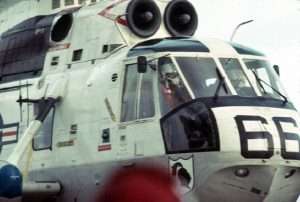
{"x":182,"y":79}
{"x":201,"y":74}
{"x":237,"y":77}
{"x":264,"y":72}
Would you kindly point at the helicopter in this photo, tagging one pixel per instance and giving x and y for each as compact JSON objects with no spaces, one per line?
{"x":86,"y":90}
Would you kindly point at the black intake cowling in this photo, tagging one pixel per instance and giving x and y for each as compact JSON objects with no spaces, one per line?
{"x":143,"y":17}
{"x":181,"y":18}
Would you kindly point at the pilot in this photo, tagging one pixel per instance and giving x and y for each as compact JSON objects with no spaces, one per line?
{"x":173,"y":90}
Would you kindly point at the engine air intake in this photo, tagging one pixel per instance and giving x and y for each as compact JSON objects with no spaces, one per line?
{"x":143,"y":17}
{"x":61,"y":28}
{"x":181,"y":18}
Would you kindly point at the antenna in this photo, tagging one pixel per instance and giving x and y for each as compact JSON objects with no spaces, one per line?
{"x":237,"y":27}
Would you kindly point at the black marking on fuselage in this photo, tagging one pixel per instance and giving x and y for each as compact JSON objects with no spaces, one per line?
{"x":238,"y":101}
{"x":255,"y":190}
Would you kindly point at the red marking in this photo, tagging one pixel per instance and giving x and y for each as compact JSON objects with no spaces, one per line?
{"x":122,"y":21}
{"x":9,"y":133}
{"x":110,"y":7}
{"x":104,"y":147}
{"x":105,"y":13}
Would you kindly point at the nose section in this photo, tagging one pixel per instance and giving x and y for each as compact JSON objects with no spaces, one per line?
{"x":10,"y":181}
{"x":240,"y":183}
{"x":251,"y":183}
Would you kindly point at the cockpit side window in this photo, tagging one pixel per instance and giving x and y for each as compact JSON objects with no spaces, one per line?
{"x":137,"y":99}
{"x":237,"y":77}
{"x":190,"y":128}
{"x":171,"y":87}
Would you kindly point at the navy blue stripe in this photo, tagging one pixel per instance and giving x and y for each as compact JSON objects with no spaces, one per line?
{"x":237,"y":101}
{"x":246,"y":101}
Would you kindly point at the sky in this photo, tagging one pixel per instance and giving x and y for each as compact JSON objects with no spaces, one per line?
{"x":274,"y":31}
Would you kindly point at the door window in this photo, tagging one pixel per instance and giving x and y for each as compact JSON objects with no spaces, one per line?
{"x":43,"y":139}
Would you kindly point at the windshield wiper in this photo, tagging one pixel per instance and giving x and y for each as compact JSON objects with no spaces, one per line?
{"x":221,"y":83}
{"x":260,"y":81}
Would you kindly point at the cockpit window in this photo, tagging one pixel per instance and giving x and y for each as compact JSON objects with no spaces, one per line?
{"x":171,"y":87}
{"x":267,"y":78}
{"x":237,"y":77}
{"x":190,"y":128}
{"x":201,"y":74}
{"x":137,"y":100}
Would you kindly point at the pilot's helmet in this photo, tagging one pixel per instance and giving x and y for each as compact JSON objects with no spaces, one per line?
{"x":169,"y":73}
{"x":167,"y":68}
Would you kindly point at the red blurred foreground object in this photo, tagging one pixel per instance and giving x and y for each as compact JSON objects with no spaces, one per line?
{"x":139,"y":184}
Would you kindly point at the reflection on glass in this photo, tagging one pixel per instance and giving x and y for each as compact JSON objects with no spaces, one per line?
{"x":171,"y":87}
{"x":264,"y":71}
{"x":201,"y":75}
{"x":237,"y":77}
{"x":43,"y":139}
{"x":129,"y":101}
